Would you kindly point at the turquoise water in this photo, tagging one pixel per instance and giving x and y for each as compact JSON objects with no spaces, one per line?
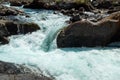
{"x":38,"y":50}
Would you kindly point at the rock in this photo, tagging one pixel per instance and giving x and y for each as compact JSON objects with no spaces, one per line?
{"x":75,"y":18}
{"x":54,"y":5}
{"x":28,"y":28}
{"x":3,"y":33}
{"x":23,"y":77}
{"x":67,"y":6}
{"x":15,"y":3}
{"x":4,"y":40}
{"x":102,"y":4}
{"x":87,"y":33}
{"x":11,"y":27}
{"x":8,"y":28}
{"x":39,"y":4}
{"x":7,"y":11}
{"x":15,"y":28}
{"x":113,"y":9}
{"x":19,"y":2}
{"x":105,"y":4}
{"x":115,"y":16}
{"x":70,"y":5}
{"x":11,"y":71}
{"x":9,"y":68}
{"x":36,"y":4}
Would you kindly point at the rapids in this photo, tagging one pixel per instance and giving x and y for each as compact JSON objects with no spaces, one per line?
{"x":38,"y":50}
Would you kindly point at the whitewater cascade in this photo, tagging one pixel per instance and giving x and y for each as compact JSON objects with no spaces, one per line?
{"x":63,"y":64}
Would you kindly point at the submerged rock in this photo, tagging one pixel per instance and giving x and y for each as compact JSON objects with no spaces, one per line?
{"x":11,"y":71}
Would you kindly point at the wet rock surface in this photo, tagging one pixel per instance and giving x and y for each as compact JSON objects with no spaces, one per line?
{"x":8,"y":28}
{"x":39,"y":4}
{"x":36,"y":4}
{"x":23,"y":77}
{"x":9,"y":25}
{"x":10,"y":71}
{"x":15,"y":3}
{"x":7,"y":11}
{"x":90,"y":34}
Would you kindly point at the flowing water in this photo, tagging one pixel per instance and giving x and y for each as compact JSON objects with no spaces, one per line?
{"x":39,"y":50}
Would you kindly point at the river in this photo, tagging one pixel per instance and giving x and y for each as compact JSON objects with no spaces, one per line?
{"x":39,"y":50}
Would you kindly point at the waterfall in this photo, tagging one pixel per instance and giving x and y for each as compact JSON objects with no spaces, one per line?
{"x":51,"y":35}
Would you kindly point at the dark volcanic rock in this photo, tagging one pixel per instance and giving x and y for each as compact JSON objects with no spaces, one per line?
{"x":87,"y":33}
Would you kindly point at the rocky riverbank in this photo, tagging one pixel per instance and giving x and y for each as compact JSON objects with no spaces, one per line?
{"x":10,"y":71}
{"x":10,"y":26}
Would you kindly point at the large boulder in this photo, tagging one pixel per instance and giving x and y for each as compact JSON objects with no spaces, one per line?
{"x":11,"y":71}
{"x":87,"y":33}
{"x":90,"y":34}
{"x":14,"y":28}
{"x":8,"y":28}
{"x":115,"y":16}
{"x":28,"y":28}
